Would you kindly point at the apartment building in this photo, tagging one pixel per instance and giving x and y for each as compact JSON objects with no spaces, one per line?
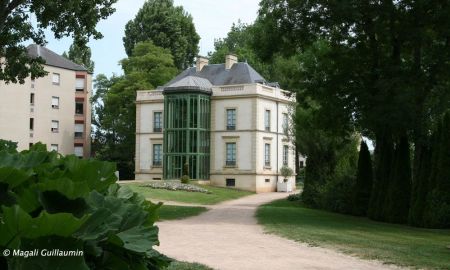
{"x":224,"y":122}
{"x":54,"y":109}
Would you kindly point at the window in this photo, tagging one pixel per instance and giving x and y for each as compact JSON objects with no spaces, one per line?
{"x":79,"y":107}
{"x":157,"y":155}
{"x":31,"y":123}
{"x":285,"y":154}
{"x":157,"y":121}
{"x":302,"y":164}
{"x":267,"y":120}
{"x":30,"y":145}
{"x":231,"y":154}
{"x":55,"y":126}
{"x":79,"y":151}
{"x":267,"y":180}
{"x":231,"y":119}
{"x":285,"y":123}
{"x":32,"y":98}
{"x":267,"y":155}
{"x":79,"y":130}
{"x":230,"y":182}
{"x":56,"y":79}
{"x":54,"y":147}
{"x":55,"y":102}
{"x":79,"y":84}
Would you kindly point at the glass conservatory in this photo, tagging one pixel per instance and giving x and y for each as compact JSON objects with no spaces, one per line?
{"x":187,"y":129}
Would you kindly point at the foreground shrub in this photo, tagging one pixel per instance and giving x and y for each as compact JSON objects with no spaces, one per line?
{"x":54,"y":202}
{"x":294,"y":197}
{"x":185,"y":179}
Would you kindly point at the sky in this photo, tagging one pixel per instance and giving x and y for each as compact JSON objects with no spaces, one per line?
{"x":212,"y":19}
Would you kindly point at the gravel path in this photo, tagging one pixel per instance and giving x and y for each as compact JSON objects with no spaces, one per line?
{"x":228,"y":237}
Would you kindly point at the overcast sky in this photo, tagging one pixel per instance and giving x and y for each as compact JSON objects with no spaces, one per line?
{"x":212,"y":19}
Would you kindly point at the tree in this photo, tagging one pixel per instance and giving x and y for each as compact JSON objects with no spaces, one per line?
{"x":74,"y":18}
{"x":81,"y":56}
{"x":399,"y":191}
{"x":148,"y":67}
{"x":364,"y":179}
{"x":377,"y":66}
{"x":167,"y":26}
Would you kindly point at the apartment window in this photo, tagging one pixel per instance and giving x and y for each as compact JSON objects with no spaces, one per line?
{"x":56,"y":79}
{"x":54,"y":147}
{"x":31,"y":123}
{"x":230,"y":182}
{"x":78,"y":150}
{"x":231,"y":119}
{"x":285,"y":123}
{"x":267,"y":120}
{"x":32,"y":98}
{"x":79,"y":107}
{"x":157,"y":154}
{"x":267,"y":155}
{"x":55,"y":126}
{"x":55,"y":102}
{"x":79,"y":130}
{"x":157,"y":121}
{"x":231,"y":154}
{"x":79,"y":84}
{"x":285,"y":154}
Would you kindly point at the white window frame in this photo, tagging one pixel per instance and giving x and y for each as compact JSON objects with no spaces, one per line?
{"x":55,"y":102}
{"x":285,"y":155}
{"x":267,"y":120}
{"x":266,"y":155}
{"x":159,"y":128}
{"x":54,"y":147}
{"x":230,"y":122}
{"x":230,"y":154}
{"x":157,"y":156}
{"x":55,"y":126}
{"x":56,"y":79}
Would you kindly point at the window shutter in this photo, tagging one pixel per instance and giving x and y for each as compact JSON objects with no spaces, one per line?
{"x":55,"y":124}
{"x":55,"y":101}
{"x":79,"y":83}
{"x":79,"y":128}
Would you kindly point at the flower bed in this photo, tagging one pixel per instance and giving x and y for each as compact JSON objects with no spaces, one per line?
{"x":176,"y":186}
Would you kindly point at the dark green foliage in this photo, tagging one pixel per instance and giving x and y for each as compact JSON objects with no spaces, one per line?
{"x":185,"y":179}
{"x":364,"y":181}
{"x":384,"y":152}
{"x":438,"y":202}
{"x":420,"y":186}
{"x":167,"y":26}
{"x":114,"y":104}
{"x":294,"y":197}
{"x":80,"y":55}
{"x":65,"y":18}
{"x":8,"y":146}
{"x":67,"y":203}
{"x":399,"y":194}
{"x":337,"y":194}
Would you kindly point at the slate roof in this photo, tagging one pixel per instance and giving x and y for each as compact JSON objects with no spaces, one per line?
{"x":53,"y":59}
{"x":216,"y":74}
{"x":190,"y":82}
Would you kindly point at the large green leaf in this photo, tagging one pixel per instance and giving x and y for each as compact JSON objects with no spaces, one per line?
{"x":65,"y":186}
{"x":14,"y":222}
{"x":140,"y":239}
{"x":14,"y":177}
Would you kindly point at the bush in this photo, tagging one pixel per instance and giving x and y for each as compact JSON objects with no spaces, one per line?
{"x":8,"y":146}
{"x":174,"y":186}
{"x":364,"y":179}
{"x":294,"y":197}
{"x":66,"y":203}
{"x":185,"y":179}
{"x":285,"y":171}
{"x":337,"y":195}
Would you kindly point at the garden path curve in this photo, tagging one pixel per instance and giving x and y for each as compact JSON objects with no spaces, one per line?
{"x":228,"y":237}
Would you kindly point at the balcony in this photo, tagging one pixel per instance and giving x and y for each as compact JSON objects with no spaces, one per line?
{"x":78,"y":135}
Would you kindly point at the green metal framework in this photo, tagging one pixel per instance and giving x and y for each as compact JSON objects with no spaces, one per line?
{"x":186,"y":135}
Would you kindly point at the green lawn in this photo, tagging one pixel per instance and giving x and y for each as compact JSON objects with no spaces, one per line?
{"x":218,"y":194}
{"x":170,"y":212}
{"x":396,"y":244}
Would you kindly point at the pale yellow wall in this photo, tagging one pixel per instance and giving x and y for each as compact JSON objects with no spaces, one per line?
{"x":15,"y":111}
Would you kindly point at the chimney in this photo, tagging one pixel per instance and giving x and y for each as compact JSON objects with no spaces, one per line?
{"x":230,"y":60}
{"x":201,"y":62}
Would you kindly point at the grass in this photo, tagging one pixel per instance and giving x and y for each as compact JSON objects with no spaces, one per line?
{"x":389,"y":243}
{"x":171,"y":212}
{"x":218,"y":194}
{"x":187,"y":266}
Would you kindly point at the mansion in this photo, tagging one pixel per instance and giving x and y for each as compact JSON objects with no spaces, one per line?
{"x":222,"y":123}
